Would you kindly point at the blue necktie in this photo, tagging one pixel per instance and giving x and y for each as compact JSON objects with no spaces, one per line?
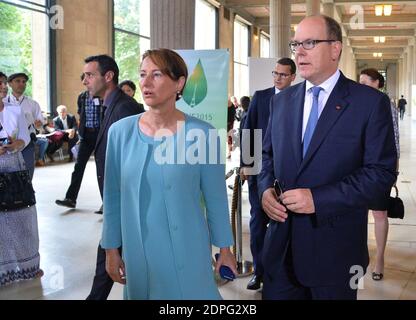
{"x":312,"y":121}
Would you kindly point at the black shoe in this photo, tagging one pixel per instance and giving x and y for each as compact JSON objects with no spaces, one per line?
{"x":66,"y":203}
{"x":255,"y":283}
{"x":99,"y":211}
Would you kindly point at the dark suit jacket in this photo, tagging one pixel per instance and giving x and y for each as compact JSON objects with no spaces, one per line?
{"x":121,"y":107}
{"x":71,"y":120}
{"x":258,"y":115}
{"x":350,"y":163}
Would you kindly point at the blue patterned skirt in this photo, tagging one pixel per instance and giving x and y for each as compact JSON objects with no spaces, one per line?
{"x":19,"y":238}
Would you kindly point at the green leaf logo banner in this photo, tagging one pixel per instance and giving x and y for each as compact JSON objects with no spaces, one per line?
{"x":196,"y":87}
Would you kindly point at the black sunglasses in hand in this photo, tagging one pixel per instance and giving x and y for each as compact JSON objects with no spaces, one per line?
{"x":278,"y":189}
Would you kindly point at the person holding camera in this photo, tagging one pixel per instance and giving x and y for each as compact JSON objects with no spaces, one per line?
{"x":19,"y":249}
{"x":32,"y":113}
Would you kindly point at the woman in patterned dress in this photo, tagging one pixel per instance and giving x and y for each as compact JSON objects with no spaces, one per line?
{"x":19,"y":240}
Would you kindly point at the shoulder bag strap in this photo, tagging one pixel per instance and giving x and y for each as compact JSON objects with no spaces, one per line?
{"x":397,"y":191}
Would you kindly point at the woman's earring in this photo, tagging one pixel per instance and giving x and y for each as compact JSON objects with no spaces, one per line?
{"x":178,"y":95}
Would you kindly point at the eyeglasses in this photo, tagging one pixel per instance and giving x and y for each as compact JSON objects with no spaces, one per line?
{"x":307,"y":44}
{"x":277,"y":74}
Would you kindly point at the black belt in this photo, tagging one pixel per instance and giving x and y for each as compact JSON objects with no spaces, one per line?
{"x":92,"y":129}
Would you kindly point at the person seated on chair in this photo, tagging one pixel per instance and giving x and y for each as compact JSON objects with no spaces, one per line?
{"x":42,"y":143}
{"x":54,"y":137}
{"x":67,"y":123}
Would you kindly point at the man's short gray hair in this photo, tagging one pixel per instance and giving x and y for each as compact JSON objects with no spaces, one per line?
{"x":60,"y":108}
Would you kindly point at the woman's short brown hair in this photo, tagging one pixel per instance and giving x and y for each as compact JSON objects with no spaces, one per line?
{"x":170,"y":63}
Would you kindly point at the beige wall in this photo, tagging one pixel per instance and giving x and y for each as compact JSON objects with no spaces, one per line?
{"x":255,"y":42}
{"x":226,"y":40}
{"x":87,"y":31}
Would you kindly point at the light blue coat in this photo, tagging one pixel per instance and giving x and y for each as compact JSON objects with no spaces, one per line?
{"x":191,"y":231}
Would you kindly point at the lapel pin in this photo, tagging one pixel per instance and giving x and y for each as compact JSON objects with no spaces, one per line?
{"x":338,"y":107}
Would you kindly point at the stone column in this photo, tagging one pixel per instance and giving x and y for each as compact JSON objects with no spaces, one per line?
{"x":413,"y":103}
{"x":328,"y":9}
{"x":353,"y":74}
{"x":344,"y":57}
{"x":313,"y":7}
{"x":400,"y":78}
{"x":414,"y":64}
{"x":280,"y":16}
{"x":173,"y":24}
{"x":404,"y":76}
{"x":410,"y":81}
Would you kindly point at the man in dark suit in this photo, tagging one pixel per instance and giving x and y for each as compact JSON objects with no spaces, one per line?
{"x":89,"y":110}
{"x":66,"y":123}
{"x":257,"y":118}
{"x":402,"y":106}
{"x":330,"y":145}
{"x":101,"y":79}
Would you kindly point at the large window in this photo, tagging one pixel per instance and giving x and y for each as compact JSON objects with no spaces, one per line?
{"x":264,"y":46}
{"x":205,"y":25}
{"x":131,"y":37}
{"x":24,"y":45}
{"x":241,"y":49}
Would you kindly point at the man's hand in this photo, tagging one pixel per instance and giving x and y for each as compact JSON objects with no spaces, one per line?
{"x":71,"y":133}
{"x":272,"y":207}
{"x":114,"y":266}
{"x":299,"y":201}
{"x":14,"y":145}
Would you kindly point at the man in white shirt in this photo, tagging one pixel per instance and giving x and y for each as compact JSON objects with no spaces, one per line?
{"x":32,"y":112}
{"x":328,"y":154}
{"x":67,"y":123}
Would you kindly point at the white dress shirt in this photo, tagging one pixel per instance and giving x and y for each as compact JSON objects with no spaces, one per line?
{"x":13,"y":123}
{"x":327,"y":87}
{"x":65,"y":122}
{"x":30,"y":108}
{"x":276,"y":91}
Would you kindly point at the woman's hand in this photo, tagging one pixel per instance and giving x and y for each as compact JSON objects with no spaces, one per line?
{"x":14,"y":145}
{"x":226,"y":258}
{"x":2,"y":150}
{"x":114,"y":266}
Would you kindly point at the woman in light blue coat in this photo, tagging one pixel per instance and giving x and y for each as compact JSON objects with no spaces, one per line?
{"x":154,"y":180}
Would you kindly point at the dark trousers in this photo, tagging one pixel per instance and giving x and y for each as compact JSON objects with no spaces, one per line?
{"x":258,"y":225}
{"x":102,"y":283}
{"x":29,"y":157}
{"x":86,"y":148}
{"x":283,"y":285}
{"x":71,"y":142}
{"x":401,"y":114}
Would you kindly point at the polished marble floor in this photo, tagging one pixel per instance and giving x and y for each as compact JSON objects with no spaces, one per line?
{"x":69,"y":238}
